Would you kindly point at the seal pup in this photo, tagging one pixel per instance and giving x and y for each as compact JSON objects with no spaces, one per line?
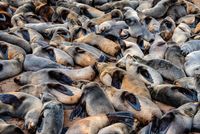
{"x":15,"y":40}
{"x":145,"y":73}
{"x":92,"y":124}
{"x":190,"y":46}
{"x":173,"y":95}
{"x":162,"y":5}
{"x":51,"y":119}
{"x":119,"y":128}
{"x":192,"y":65}
{"x":9,"y":129}
{"x":177,"y":121}
{"x":36,"y":63}
{"x":167,"y":27}
{"x":124,"y":101}
{"x":181,"y":33}
{"x":54,"y":54}
{"x":90,"y":102}
{"x":168,"y":70}
{"x":12,"y":59}
{"x":174,"y":55}
{"x":63,"y":93}
{"x":111,"y":75}
{"x":43,"y":76}
{"x":22,"y":105}
{"x":101,"y":42}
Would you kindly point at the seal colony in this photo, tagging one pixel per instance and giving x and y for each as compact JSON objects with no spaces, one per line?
{"x":100,"y":66}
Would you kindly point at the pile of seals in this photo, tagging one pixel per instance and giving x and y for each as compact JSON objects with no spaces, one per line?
{"x":100,"y":66}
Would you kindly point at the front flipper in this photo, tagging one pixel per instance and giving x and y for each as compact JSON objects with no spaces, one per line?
{"x":190,"y":93}
{"x":61,"y":88}
{"x":132,"y":100}
{"x":4,"y":51}
{"x":79,"y":110}
{"x":165,"y":122}
{"x":122,"y":116}
{"x":50,"y":52}
{"x":144,"y":72}
{"x":10,"y":99}
{"x":60,"y":77}
{"x":117,"y":79}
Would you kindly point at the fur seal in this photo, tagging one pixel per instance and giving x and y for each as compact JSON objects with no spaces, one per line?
{"x":117,"y":128}
{"x":15,"y":40}
{"x":181,"y":33}
{"x":166,"y":69}
{"x":157,"y":48}
{"x":51,"y":119}
{"x":92,"y":124}
{"x":63,"y":93}
{"x":190,"y":46}
{"x":138,"y":105}
{"x":101,"y":42}
{"x":107,"y":7}
{"x":177,"y":121}
{"x":22,"y":105}
{"x":36,"y":63}
{"x":175,"y":56}
{"x":120,"y":79}
{"x":145,"y":73}
{"x":12,"y":58}
{"x":162,"y":5}
{"x":167,"y":27}
{"x":54,"y":54}
{"x":173,"y":95}
{"x":192,"y":65}
{"x":90,"y":103}
{"x":9,"y":129}
{"x":195,"y":124}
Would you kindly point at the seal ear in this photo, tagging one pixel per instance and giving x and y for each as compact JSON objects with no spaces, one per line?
{"x":141,"y":70}
{"x":1,"y":67}
{"x":59,"y":76}
{"x":122,"y":116}
{"x":117,"y":79}
{"x":190,"y":93}
{"x":80,"y":109}
{"x":132,"y":100}
{"x":60,"y":88}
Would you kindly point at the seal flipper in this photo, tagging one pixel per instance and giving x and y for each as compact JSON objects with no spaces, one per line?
{"x":122,"y":116}
{"x":1,"y":67}
{"x":60,"y":77}
{"x":165,"y":122}
{"x":132,"y":100}
{"x":4,"y":51}
{"x":145,"y":73}
{"x":50,"y":52}
{"x":190,"y":93}
{"x":25,"y":34}
{"x":117,"y":79}
{"x":80,"y":109}
{"x":60,"y":88}
{"x":10,"y":99}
